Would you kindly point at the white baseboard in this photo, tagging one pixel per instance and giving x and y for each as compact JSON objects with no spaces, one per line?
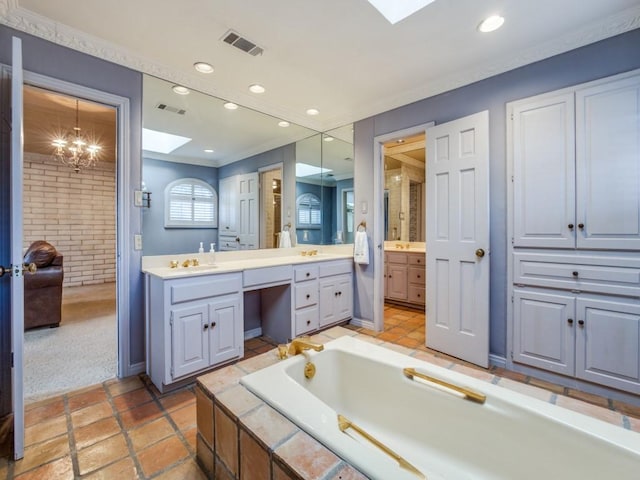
{"x":256,"y":332}
{"x":136,"y":369}
{"x":360,"y":322}
{"x":497,"y":361}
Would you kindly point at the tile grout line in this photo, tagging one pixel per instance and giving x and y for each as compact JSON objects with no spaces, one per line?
{"x":73,"y":450}
{"x":125,"y":432}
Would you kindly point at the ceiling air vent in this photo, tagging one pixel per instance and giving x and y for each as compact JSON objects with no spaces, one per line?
{"x":169,"y":108}
{"x":234,"y":38}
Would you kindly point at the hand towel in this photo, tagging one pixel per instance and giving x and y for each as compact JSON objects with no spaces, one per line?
{"x":361,"y":248}
{"x":284,"y":239}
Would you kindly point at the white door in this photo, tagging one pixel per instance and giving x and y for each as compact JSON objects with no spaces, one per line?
{"x":17,"y":283}
{"x":248,"y":220}
{"x":458,"y":238}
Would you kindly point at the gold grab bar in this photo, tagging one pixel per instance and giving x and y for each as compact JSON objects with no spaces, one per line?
{"x":344,"y":424}
{"x":466,"y":392}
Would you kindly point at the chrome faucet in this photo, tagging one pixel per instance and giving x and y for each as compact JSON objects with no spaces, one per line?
{"x":300,"y":344}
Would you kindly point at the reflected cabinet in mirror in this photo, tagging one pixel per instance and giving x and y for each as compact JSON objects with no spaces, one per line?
{"x":404,"y":190}
{"x":219,"y":173}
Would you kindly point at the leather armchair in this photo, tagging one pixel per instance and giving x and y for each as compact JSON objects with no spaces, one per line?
{"x":43,"y":289}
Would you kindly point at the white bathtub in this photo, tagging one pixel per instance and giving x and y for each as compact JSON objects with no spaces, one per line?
{"x":510,"y":436}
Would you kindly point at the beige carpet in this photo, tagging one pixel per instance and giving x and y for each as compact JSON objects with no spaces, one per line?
{"x":82,"y":351}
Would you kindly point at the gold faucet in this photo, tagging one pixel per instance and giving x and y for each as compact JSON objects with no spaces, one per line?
{"x":186,"y":263}
{"x":300,"y":344}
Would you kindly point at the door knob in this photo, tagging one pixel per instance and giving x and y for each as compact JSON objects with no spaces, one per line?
{"x":480,"y":253}
{"x":31,"y":268}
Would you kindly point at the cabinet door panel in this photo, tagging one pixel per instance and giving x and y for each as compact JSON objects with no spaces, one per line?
{"x":327,"y":302}
{"x":608,"y":343}
{"x":543,"y":334}
{"x":344,"y":304}
{"x":544,"y":172}
{"x":189,"y":340}
{"x":608,"y":165}
{"x":397,"y":281}
{"x":225,"y":329}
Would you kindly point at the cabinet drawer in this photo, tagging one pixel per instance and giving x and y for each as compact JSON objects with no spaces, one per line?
{"x":595,"y":274}
{"x":416,"y":294}
{"x":306,"y":272}
{"x":185,"y":290}
{"x":335,"y":268}
{"x":415,"y":259}
{"x":416,"y":275}
{"x":306,"y":294}
{"x":268,"y":275}
{"x":396,"y":257}
{"x":307,"y":320}
{"x":227,"y":243}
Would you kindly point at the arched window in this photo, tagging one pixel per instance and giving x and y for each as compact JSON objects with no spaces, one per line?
{"x":190,"y":203}
{"x":309,"y":211}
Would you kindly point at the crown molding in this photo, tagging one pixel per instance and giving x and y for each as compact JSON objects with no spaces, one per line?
{"x":14,"y":16}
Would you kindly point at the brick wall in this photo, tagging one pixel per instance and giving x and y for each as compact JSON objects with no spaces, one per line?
{"x":75,"y":212}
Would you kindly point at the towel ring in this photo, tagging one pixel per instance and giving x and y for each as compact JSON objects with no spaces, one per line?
{"x":286,"y":227}
{"x":362,"y":226}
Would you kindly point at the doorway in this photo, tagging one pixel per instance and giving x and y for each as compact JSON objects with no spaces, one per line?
{"x":404,"y":234}
{"x":270,"y":205}
{"x":72,"y":207}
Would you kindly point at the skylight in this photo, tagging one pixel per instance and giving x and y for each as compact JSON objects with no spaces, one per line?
{"x":394,"y":10}
{"x":161,"y":142}
{"x":306,"y":170}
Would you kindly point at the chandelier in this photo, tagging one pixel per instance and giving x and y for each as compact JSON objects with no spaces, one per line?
{"x":75,"y":151}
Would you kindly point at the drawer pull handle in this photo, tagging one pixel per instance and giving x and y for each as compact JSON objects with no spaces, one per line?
{"x":574,"y":273}
{"x":570,"y":321}
{"x":418,"y":276}
{"x":418,"y":295}
{"x":308,"y":322}
{"x":570,"y":226}
{"x":308,"y":274}
{"x":581,"y":323}
{"x":308,"y":296}
{"x":581,"y":226}
{"x":206,"y":325}
{"x":213,"y":324}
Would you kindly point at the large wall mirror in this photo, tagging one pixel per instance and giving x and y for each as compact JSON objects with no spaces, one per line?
{"x":200,"y":138}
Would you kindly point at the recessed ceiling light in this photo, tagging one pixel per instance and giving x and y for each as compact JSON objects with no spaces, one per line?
{"x":230,"y":106}
{"x":328,"y":138}
{"x":255,"y":88}
{"x":208,"y":150}
{"x":203,"y":67}
{"x":283,"y":123}
{"x":313,"y":111}
{"x":180,"y":90}
{"x":491,"y":23}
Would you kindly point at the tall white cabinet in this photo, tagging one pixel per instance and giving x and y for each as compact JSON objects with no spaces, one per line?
{"x":575,"y":231}
{"x":238,"y":221}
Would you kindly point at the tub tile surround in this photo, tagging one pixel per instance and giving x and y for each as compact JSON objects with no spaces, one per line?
{"x":267,"y":445}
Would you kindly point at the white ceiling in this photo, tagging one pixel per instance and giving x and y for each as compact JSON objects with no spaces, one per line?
{"x":340,"y":56}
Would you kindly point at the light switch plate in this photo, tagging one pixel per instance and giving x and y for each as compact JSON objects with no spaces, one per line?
{"x":137,"y":242}
{"x":137,"y":198}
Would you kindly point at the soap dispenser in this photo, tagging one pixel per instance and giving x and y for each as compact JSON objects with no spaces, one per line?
{"x":212,"y":254}
{"x":201,"y":249}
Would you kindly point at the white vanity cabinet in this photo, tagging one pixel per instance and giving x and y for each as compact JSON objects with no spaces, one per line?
{"x":405,"y":277}
{"x":194,"y":323}
{"x":336,"y":291}
{"x":575,"y":225}
{"x":306,"y":310}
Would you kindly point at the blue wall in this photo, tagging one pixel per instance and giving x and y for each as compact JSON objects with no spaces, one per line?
{"x":158,"y":240}
{"x":608,"y":57}
{"x":58,"y":62}
{"x":282,"y":155}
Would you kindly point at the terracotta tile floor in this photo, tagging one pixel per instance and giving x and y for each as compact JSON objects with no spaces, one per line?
{"x":125,"y":429}
{"x":122,"y":429}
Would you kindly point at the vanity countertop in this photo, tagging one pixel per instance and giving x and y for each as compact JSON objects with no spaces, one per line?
{"x":228,"y":262}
